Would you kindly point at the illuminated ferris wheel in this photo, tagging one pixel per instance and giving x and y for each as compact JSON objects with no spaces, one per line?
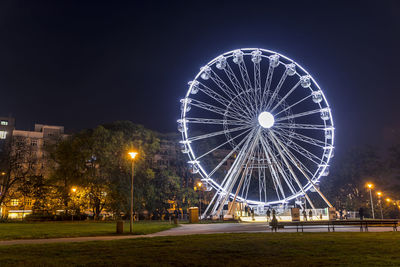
{"x":257,"y":128}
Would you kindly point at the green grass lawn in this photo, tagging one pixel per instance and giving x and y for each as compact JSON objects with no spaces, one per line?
{"x":258,"y":249}
{"x":24,"y":230}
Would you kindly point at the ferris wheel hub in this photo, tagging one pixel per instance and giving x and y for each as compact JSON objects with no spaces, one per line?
{"x":266,"y":120}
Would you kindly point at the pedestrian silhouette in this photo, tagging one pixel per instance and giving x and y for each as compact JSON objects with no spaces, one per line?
{"x":310,"y":215}
{"x":268,"y":215}
{"x":305,"y":215}
{"x":361,"y":213}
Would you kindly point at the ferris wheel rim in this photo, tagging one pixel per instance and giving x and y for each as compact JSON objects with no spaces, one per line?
{"x":215,"y":184}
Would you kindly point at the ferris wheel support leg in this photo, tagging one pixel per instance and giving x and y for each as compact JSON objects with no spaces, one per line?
{"x":231,"y":183}
{"x":245,"y":173}
{"x":304,"y":173}
{"x":274,"y":141}
{"x":209,"y":205}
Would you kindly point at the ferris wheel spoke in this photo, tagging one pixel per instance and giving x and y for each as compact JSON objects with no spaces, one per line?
{"x":300,"y":126}
{"x":204,"y":136}
{"x":214,"y":109}
{"x":235,"y":149}
{"x":223,"y":144}
{"x":247,"y":84}
{"x":286,"y":96}
{"x":279,"y":148}
{"x":291,"y":106}
{"x":277,"y":89}
{"x":233,"y":79}
{"x":292,"y":158}
{"x":237,"y":166}
{"x":214,"y":121}
{"x":267,"y":85}
{"x":240,"y":108}
{"x":302,"y":168}
{"x":238,"y":87}
{"x":273,"y":171}
{"x":279,"y":167}
{"x":295,"y":160}
{"x":302,"y":114}
{"x":245,"y":75}
{"x":247,"y":174}
{"x":214,"y":95}
{"x":301,"y":150}
{"x":225,"y":88}
{"x":257,"y":82}
{"x":285,"y":176}
{"x":303,"y":138}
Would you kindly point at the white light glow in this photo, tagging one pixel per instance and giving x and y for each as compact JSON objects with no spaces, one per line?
{"x":266,"y":120}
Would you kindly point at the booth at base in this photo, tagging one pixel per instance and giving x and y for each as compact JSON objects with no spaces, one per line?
{"x":193,"y":215}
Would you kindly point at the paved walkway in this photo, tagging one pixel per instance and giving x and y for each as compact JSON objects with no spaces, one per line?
{"x":193,"y":229}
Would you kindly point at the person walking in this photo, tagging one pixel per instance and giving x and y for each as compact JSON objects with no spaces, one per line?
{"x":361,"y":213}
{"x":268,"y":215}
{"x":310,"y":215}
{"x":341,"y":214}
{"x":274,"y":222}
{"x":305,"y":215}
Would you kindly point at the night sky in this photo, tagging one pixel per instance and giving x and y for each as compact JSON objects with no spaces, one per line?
{"x":83,"y":63}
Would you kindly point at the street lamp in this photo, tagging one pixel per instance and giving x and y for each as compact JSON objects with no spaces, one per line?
{"x":380,"y":202}
{"x":199,"y":184}
{"x":372,"y":203}
{"x":132,"y":155}
{"x":388,"y":200}
{"x":73,"y":189}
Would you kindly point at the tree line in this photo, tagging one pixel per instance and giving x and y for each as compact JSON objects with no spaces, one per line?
{"x":90,"y":171}
{"x":346,"y":186}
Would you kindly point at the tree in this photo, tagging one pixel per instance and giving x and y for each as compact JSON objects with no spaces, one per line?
{"x":17,"y":163}
{"x":346,"y":185}
{"x":96,"y":161}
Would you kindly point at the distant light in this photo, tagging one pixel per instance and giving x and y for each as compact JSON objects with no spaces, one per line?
{"x":266,"y":120}
{"x":132,"y":154}
{"x":73,"y":189}
{"x":199,"y":184}
{"x":388,"y":200}
{"x":379,"y":193}
{"x":370,"y":185}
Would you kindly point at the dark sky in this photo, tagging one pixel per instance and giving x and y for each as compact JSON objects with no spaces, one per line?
{"x":83,"y":63}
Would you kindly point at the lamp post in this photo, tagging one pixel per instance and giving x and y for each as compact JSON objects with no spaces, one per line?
{"x":133,"y":155}
{"x":380,"y":203}
{"x":73,"y":189}
{"x":372,"y":203}
{"x":199,"y":184}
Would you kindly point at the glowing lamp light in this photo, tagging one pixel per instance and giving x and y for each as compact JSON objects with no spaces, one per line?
{"x":388,"y":200}
{"x":370,"y":186}
{"x":266,"y":120}
{"x":379,"y":194}
{"x":199,"y":184}
{"x":132,"y":154}
{"x":73,"y":189}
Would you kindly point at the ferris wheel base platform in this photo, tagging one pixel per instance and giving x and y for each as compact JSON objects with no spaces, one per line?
{"x":248,"y":219}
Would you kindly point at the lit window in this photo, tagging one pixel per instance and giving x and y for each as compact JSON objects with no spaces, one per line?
{"x":14,"y":202}
{"x":4,"y":123}
{"x":34,"y":142}
{"x":3,"y":134}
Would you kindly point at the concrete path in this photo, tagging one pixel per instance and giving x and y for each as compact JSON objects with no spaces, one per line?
{"x":193,"y":229}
